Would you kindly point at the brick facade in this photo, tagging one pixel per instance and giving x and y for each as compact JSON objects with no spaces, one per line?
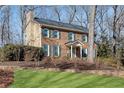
{"x":34,"y":36}
{"x":63,"y":39}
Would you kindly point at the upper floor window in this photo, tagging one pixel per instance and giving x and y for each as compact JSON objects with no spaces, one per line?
{"x":84,"y":38}
{"x":46,"y":49}
{"x":55,"y":34}
{"x":71,"y":36}
{"x":45,"y":32}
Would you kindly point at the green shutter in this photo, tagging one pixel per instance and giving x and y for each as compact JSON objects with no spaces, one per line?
{"x":59,"y":50}
{"x":68,"y":37}
{"x":59,"y":35}
{"x":50,"y":33}
{"x":51,"y":49}
{"x":74,"y":37}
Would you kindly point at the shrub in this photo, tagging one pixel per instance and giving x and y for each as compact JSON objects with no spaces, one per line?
{"x":104,"y":50}
{"x":110,"y":61}
{"x":1,"y":55}
{"x":33,"y":53}
{"x":121,"y":56}
{"x":12,"y":52}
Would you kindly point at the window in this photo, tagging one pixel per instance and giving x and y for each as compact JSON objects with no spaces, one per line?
{"x":84,"y":38}
{"x":84,"y":53}
{"x":55,"y":34}
{"x":56,"y":50}
{"x":71,"y":36}
{"x":45,"y":32}
{"x":46,"y":49}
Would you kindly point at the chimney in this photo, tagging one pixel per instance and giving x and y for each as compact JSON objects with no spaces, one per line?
{"x":29,"y":28}
{"x":29,"y":16}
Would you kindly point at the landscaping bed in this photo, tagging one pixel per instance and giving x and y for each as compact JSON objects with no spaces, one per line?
{"x":6,"y":78}
{"x":68,"y":65}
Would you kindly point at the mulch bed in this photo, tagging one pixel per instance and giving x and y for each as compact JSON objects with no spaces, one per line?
{"x":6,"y":78}
{"x":68,"y":65}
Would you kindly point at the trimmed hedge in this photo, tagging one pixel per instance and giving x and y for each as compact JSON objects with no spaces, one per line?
{"x":12,"y":52}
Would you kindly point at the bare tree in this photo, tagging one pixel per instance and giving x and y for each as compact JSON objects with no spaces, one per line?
{"x":57,"y":12}
{"x":100,"y":26}
{"x":68,"y":11}
{"x":23,"y":11}
{"x":116,"y":25}
{"x":23,"y":21}
{"x":86,"y":12}
{"x":91,"y":34}
{"x":5,"y":25}
{"x":72,"y":13}
{"x":1,"y":6}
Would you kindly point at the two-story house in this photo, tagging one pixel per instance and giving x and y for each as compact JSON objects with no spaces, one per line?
{"x":56,"y":38}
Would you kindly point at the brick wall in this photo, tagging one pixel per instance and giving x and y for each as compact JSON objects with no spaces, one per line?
{"x":34,"y":36}
{"x":61,"y":41}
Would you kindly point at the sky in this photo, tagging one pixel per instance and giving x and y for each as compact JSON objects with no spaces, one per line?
{"x":46,"y":12}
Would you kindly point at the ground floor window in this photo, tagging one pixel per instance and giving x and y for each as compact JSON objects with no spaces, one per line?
{"x":46,"y":49}
{"x":56,"y":50}
{"x":52,"y":50}
{"x":84,"y":52}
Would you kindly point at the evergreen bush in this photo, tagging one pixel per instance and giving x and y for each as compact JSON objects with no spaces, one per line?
{"x":12,"y":52}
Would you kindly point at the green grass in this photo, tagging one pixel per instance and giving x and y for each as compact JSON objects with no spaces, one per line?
{"x":47,"y":79}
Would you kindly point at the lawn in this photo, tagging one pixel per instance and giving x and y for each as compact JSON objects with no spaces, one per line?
{"x":47,"y":79}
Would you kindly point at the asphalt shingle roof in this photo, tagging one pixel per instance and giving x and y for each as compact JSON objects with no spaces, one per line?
{"x":60,"y":24}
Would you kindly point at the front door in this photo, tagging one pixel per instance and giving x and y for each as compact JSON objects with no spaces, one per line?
{"x":78,"y":52}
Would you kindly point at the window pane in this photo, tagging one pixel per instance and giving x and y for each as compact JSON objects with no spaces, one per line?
{"x":71,"y":36}
{"x":55,"y":34}
{"x":84,"y":38}
{"x":55,"y":50}
{"x":45,"y":32}
{"x":84,"y":53}
{"x":46,"y":49}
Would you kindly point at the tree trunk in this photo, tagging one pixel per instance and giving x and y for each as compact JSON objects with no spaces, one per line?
{"x":91,"y":34}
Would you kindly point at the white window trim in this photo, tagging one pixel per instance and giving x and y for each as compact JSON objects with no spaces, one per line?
{"x":73,"y":36}
{"x":58,"y":50}
{"x":48,"y":33}
{"x":48,"y":51}
{"x":58,"y":34}
{"x":86,"y":51}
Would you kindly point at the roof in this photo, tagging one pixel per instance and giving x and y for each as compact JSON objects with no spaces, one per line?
{"x":61,"y":25}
